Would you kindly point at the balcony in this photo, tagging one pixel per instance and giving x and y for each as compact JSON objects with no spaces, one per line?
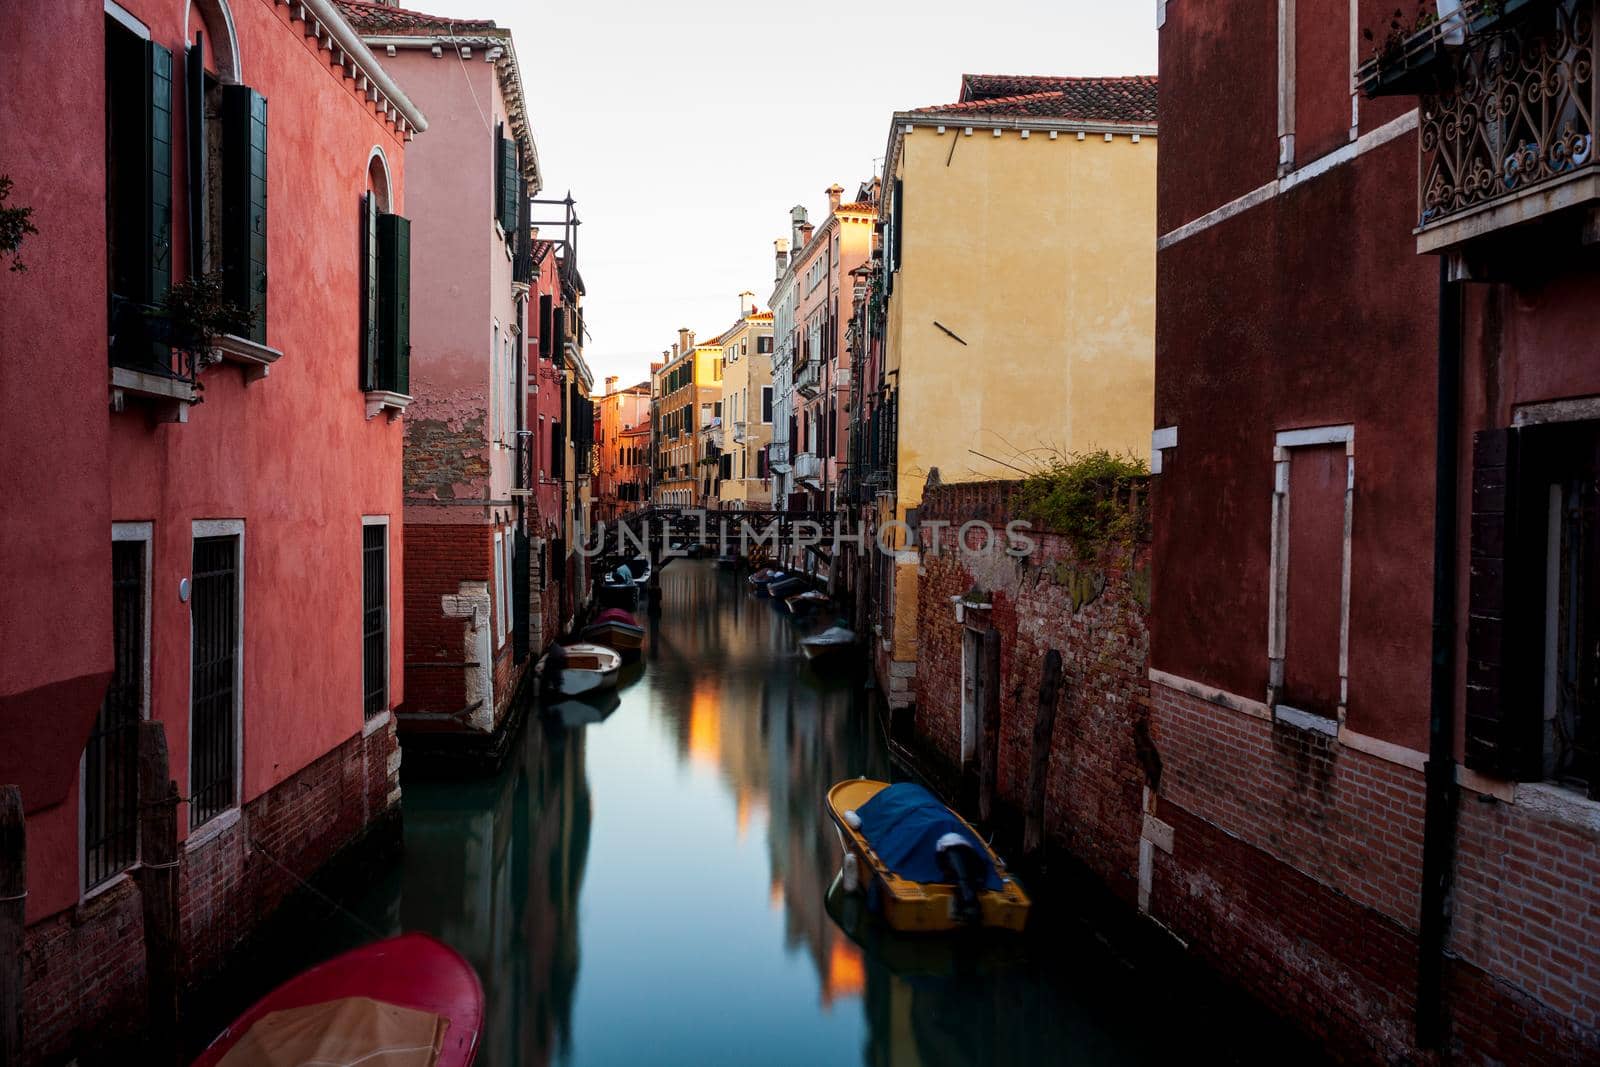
{"x":145,"y":366}
{"x":778,"y":457}
{"x":808,"y":379}
{"x":1506,"y":125}
{"x":808,"y":465}
{"x":740,"y":432}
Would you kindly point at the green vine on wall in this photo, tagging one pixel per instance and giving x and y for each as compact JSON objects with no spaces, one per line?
{"x":1090,"y":498}
{"x":15,"y":225}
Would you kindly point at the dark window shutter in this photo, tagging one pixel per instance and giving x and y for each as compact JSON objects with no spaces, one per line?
{"x":1504,"y":663}
{"x":546,"y":325}
{"x":499,"y":171}
{"x":369,"y":291}
{"x":394,"y":302}
{"x":160,"y":272}
{"x":560,"y":339}
{"x":521,"y":595}
{"x":194,"y":103}
{"x":506,"y":171}
{"x":895,"y":239}
{"x":558,"y":451}
{"x":244,"y":211}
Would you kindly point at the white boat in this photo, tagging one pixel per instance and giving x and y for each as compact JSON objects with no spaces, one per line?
{"x":573,"y":670}
{"x":830,"y":642}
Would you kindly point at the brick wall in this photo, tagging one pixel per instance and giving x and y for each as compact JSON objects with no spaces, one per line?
{"x":438,"y":559}
{"x":1286,"y":858}
{"x":84,"y":967}
{"x":1093,"y":613}
{"x":1296,"y":868}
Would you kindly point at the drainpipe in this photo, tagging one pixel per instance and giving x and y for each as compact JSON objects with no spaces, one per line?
{"x":1439,"y":815}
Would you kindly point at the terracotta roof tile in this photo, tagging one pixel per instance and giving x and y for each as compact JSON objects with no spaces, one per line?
{"x":860,"y":207}
{"x":369,"y":17}
{"x":1120,"y":100}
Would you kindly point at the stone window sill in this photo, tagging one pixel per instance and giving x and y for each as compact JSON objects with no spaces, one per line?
{"x":1305,"y":720}
{"x":253,"y":358}
{"x":203,"y":835}
{"x":380,"y":400}
{"x":1560,"y":804}
{"x":168,"y":398}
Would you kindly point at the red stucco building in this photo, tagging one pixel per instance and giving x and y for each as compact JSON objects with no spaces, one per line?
{"x":1393,"y":839}
{"x":211,"y":542}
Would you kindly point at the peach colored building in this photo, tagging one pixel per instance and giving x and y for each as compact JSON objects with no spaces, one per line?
{"x":621,"y":438}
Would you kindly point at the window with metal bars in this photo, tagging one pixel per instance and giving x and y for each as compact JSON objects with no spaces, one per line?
{"x":375,"y":618}
{"x":213,"y":692}
{"x":111,"y":758}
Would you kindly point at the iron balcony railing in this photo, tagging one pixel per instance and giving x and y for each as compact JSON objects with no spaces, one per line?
{"x":808,"y":379}
{"x":1509,"y":136}
{"x":143,"y":339}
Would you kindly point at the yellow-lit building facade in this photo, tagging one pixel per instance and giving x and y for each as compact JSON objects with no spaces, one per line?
{"x":687,"y":392}
{"x":746,"y":413}
{"x":1019,"y":281}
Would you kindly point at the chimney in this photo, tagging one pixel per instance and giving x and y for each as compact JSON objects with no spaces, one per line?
{"x":834,"y":191}
{"x":655,"y":366}
{"x":797,"y":219}
{"x":780,"y":253}
{"x":611,"y":384}
{"x":877,"y":189}
{"x":805,"y":234}
{"x":685,"y":340}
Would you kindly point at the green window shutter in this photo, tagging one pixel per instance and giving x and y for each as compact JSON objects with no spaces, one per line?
{"x":370,"y":285}
{"x":194,"y":110}
{"x":394,"y":302}
{"x":159,"y":61}
{"x":244,"y":204}
{"x":561,"y":336}
{"x":508,"y":185}
{"x":499,"y":171}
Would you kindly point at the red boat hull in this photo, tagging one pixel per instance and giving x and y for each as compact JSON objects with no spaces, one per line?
{"x":411,"y":971}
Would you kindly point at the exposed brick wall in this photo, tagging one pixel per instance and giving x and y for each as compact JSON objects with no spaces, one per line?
{"x":85,"y":963}
{"x":446,"y":458}
{"x":1296,"y":869}
{"x":85,"y":967}
{"x":1295,"y":861}
{"x":439,"y":558}
{"x":1093,"y":613}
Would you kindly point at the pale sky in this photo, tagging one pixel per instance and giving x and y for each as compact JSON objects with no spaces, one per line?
{"x":687,"y":130}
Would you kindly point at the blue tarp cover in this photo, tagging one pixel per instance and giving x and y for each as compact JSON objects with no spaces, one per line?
{"x":904,"y":822}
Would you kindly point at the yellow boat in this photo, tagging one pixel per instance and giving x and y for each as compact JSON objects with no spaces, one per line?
{"x":921,"y":906}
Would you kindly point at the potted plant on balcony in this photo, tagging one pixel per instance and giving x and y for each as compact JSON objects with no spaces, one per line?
{"x":1400,"y":64}
{"x":1486,"y":15}
{"x":197,"y":313}
{"x":15,"y":225}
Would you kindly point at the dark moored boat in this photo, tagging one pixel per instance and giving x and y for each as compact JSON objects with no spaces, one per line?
{"x":806,"y":602}
{"x":783,"y":588}
{"x":616,"y":628}
{"x":832,"y":643}
{"x":406,"y":991}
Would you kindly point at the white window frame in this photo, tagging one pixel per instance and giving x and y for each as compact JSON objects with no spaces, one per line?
{"x":508,"y":547}
{"x":143,"y":532}
{"x":1278,"y":573}
{"x":388,"y":621}
{"x":499,"y":590}
{"x":203,"y":832}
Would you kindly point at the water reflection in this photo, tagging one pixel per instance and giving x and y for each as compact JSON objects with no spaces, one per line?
{"x":654,"y":887}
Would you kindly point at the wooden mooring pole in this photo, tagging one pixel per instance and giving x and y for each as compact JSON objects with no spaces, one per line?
{"x":1044,"y":725}
{"x":158,"y":887}
{"x":989,"y":708}
{"x":13,"y":920}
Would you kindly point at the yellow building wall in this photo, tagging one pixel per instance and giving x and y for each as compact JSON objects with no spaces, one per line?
{"x":1040,"y":255}
{"x":745,"y":376}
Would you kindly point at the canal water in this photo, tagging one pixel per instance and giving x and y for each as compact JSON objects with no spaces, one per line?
{"x":653,"y":888}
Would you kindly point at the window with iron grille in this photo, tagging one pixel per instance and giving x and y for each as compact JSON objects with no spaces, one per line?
{"x":111,"y":758}
{"x":375,"y":618}
{"x":213,"y":691}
